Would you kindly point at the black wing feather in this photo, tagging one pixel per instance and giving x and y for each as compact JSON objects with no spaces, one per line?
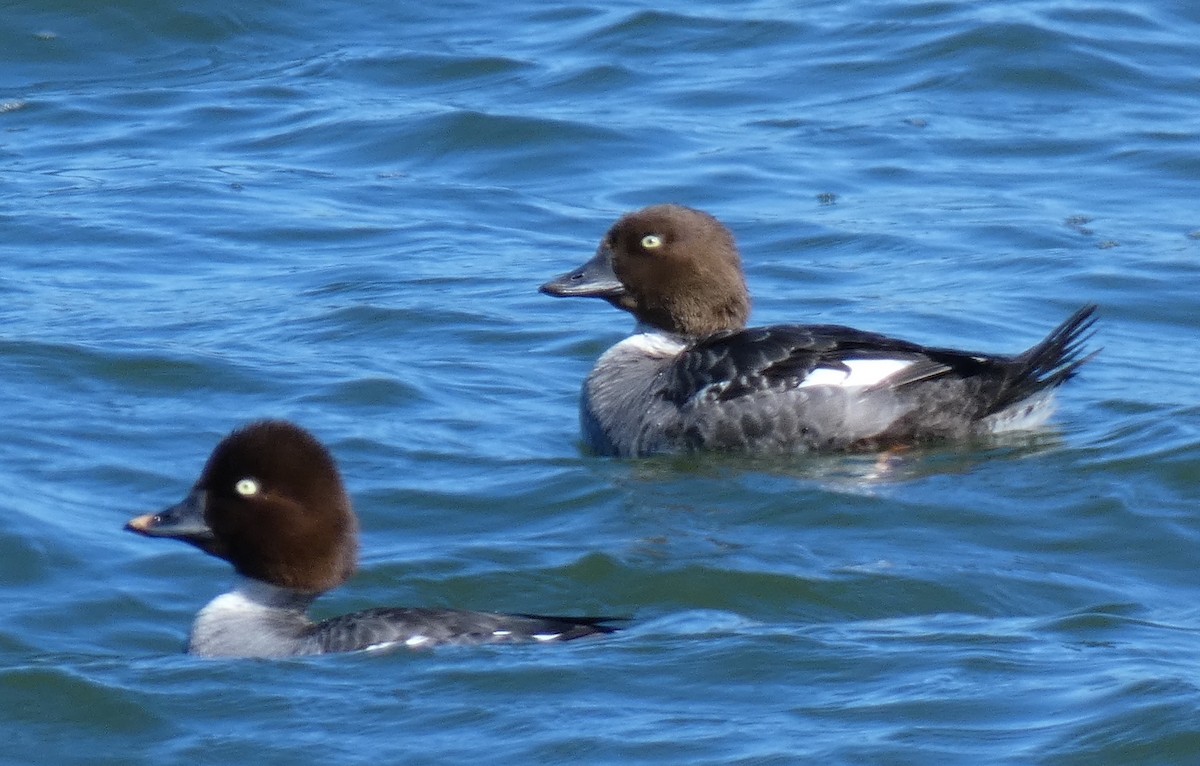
{"x":734,"y":363}
{"x":372,"y":627}
{"x":730,"y":364}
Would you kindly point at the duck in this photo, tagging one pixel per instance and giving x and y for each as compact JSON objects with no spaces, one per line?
{"x":694,"y":377}
{"x":271,"y":502}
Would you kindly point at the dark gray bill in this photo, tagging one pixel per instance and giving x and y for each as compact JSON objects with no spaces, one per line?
{"x":184,"y":521}
{"x":593,"y":279}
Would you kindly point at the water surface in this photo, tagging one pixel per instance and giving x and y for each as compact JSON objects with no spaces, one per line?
{"x":340,"y":214}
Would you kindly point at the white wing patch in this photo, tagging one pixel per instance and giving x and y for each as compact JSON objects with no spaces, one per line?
{"x":863,"y":372}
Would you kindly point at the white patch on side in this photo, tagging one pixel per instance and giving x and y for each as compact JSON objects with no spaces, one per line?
{"x":1023,"y":416}
{"x":252,"y":620}
{"x":236,"y":603}
{"x":381,"y":646}
{"x":501,"y":633}
{"x":418,"y":640}
{"x":652,"y":343}
{"x":546,"y":636}
{"x":863,"y":372}
{"x":251,"y":599}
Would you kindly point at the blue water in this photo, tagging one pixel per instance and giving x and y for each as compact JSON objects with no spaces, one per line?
{"x":339,"y":213}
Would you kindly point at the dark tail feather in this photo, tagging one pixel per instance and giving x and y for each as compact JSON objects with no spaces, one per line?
{"x":1052,"y":362}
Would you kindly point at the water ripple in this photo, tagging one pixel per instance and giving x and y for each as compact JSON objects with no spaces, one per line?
{"x":340,"y":214}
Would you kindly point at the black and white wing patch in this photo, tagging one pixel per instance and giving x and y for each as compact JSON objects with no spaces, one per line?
{"x":727,"y":365}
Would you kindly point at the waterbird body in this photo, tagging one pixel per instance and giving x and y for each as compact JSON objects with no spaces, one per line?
{"x":271,"y":502}
{"x":694,"y":377}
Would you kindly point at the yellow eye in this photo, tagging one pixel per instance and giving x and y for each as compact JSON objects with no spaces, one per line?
{"x":246,"y":487}
{"x":651,"y":241}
